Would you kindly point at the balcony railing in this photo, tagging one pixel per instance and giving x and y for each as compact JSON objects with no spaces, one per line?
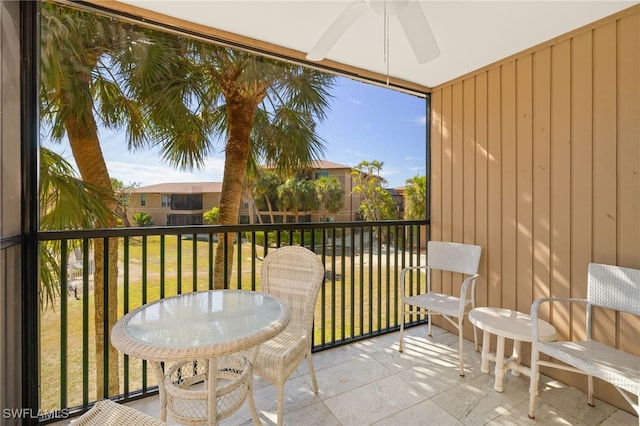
{"x":360,"y":297}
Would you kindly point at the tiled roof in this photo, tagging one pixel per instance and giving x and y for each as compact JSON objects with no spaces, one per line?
{"x":322,"y":165}
{"x":181,"y":188}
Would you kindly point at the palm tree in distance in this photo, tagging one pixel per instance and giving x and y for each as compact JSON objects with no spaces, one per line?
{"x":416,"y":198}
{"x":297,"y":194}
{"x":330,"y":194}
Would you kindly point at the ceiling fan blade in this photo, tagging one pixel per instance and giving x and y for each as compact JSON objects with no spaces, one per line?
{"x":417,"y":29}
{"x":336,"y":30}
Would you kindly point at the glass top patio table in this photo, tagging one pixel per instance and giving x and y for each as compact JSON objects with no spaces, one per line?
{"x":199,"y":325}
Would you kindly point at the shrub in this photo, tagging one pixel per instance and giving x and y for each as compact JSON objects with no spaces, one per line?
{"x":142,"y":219}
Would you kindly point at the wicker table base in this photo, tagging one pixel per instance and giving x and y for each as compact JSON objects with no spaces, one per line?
{"x":186,"y":385}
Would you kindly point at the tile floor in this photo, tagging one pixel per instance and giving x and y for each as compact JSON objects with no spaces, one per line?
{"x":371,"y":383}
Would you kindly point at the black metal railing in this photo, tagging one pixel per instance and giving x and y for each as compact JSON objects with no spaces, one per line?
{"x":360,"y":297}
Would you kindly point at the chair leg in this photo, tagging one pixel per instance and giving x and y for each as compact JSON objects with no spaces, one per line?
{"x":280,"y":403}
{"x":252,"y":403}
{"x":159,"y":373}
{"x":312,"y":371}
{"x":429,"y":325}
{"x":590,"y":391}
{"x":401,"y":329}
{"x":461,"y":347}
{"x":533,"y":381}
{"x":475,"y":338}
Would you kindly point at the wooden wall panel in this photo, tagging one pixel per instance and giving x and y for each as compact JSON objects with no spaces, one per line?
{"x":446,"y":154}
{"x":469,"y":161}
{"x":524,"y":183}
{"x":481,"y":181}
{"x":605,"y":162}
{"x":561,"y":177}
{"x":435,"y":164}
{"x":541,"y":175}
{"x":537,"y":159}
{"x":581,"y":172}
{"x":628,"y":74}
{"x":509,"y":177}
{"x":451,"y":281}
{"x":493,"y":251}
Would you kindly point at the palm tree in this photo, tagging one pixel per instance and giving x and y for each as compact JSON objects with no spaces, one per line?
{"x":71,"y":50}
{"x":297,"y":194}
{"x":330,"y":194}
{"x":377,"y":203}
{"x":99,"y":71}
{"x":66,"y":202}
{"x":416,"y":198}
{"x":266,"y":188}
{"x":176,"y":93}
{"x":267,"y":112}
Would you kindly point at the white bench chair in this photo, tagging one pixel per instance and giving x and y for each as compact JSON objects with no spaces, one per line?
{"x":109,"y":413}
{"x":611,"y":287}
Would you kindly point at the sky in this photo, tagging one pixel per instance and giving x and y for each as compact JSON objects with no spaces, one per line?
{"x":365,"y":122}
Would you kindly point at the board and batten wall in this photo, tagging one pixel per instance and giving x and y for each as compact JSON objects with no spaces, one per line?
{"x":537,"y":159}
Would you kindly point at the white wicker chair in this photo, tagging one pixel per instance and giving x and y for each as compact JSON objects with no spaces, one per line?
{"x":444,"y":256}
{"x":611,"y":287}
{"x":109,"y":413}
{"x":294,"y":274}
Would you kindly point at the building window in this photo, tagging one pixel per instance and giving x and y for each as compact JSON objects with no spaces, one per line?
{"x":186,"y":202}
{"x":143,"y":200}
{"x":320,"y":174}
{"x":185,"y":219}
{"x":166,"y":200}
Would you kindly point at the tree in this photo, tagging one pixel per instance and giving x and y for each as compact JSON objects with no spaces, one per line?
{"x":142,"y":219}
{"x":416,"y":198}
{"x":266,"y":189}
{"x":123,"y":199}
{"x":211,"y":217}
{"x":266,"y":110}
{"x":330,"y":194}
{"x":376,"y":202}
{"x":66,"y":202}
{"x":100,"y":71}
{"x":295,"y":195}
{"x":180,"y":94}
{"x":71,"y":79}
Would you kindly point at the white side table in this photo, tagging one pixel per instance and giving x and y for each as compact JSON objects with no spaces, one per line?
{"x":506,"y":324}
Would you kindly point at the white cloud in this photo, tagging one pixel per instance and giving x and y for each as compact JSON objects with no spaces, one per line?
{"x":157,"y":172}
{"x":420,"y":121}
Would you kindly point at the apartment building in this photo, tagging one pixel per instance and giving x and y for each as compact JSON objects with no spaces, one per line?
{"x":179,"y":203}
{"x":183,"y":203}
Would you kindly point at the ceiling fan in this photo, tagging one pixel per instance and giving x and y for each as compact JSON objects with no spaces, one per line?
{"x":409,"y":14}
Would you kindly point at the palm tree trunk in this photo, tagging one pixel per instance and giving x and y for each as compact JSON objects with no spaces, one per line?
{"x":240,"y":112}
{"x":268,"y":201}
{"x":83,"y":139}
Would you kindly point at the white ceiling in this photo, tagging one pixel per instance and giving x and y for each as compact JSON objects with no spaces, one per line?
{"x":470,"y":34}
